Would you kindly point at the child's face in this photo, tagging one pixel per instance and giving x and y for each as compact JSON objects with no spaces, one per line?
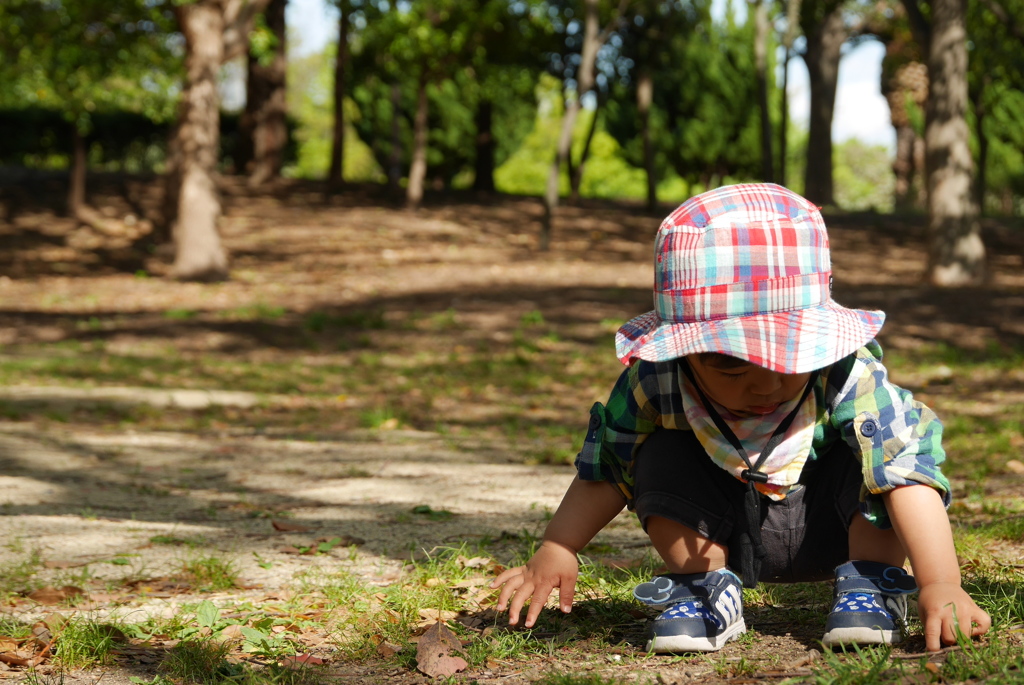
{"x":743,"y":388}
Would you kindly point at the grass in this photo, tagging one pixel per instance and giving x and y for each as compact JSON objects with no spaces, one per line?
{"x":524,"y":384}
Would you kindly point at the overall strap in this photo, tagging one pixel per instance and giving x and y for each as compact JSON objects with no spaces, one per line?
{"x":752,"y":551}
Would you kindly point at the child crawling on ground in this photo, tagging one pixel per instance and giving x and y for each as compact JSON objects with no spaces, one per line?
{"x":757,"y":437}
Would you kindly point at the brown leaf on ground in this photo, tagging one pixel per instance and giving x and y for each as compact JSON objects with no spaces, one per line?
{"x":285,"y":527}
{"x":52,"y":595}
{"x":433,"y":653}
{"x":300,"y":660}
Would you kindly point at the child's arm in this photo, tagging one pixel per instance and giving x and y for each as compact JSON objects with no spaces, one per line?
{"x":586,"y":508}
{"x":920,"y":520}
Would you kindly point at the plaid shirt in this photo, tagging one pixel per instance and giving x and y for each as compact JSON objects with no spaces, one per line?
{"x":897,"y":438}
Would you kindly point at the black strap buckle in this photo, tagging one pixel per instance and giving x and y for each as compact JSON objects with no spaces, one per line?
{"x":756,"y":476}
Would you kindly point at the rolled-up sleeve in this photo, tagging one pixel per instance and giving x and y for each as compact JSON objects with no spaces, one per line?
{"x":619,"y":427}
{"x":898,"y":439}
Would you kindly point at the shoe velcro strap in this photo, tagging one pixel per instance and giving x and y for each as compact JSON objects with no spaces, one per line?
{"x":892,"y":580}
{"x":672,"y":588}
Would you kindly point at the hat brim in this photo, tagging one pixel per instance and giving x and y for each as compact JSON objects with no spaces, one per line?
{"x":794,"y":341}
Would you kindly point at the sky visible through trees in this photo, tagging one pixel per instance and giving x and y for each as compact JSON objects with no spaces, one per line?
{"x":861,"y":111}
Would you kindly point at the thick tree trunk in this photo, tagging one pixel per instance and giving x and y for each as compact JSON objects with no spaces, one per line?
{"x":336,"y":175}
{"x":483,"y":179}
{"x":822,"y":57}
{"x":268,"y":107}
{"x":418,"y":168}
{"x":644,"y":99}
{"x":76,"y":174}
{"x":584,"y":82}
{"x":956,"y":254}
{"x":761,"y":67}
{"x":199,"y":254}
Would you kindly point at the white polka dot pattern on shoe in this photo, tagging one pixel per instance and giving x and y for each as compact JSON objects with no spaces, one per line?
{"x":859,"y":602}
{"x":689,"y":609}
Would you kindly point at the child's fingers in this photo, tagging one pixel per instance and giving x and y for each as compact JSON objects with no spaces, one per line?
{"x":539,"y":598}
{"x":936,"y":631}
{"x":565,"y":593}
{"x":506,"y":574}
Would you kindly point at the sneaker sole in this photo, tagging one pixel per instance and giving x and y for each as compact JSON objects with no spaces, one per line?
{"x":860,"y":636}
{"x":689,"y":643}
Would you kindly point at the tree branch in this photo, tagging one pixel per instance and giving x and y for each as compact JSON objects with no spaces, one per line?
{"x":238,"y":20}
{"x":919,"y":26}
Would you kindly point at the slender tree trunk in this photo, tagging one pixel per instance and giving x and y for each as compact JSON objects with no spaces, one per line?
{"x":956,"y":255}
{"x":395,"y":158}
{"x":76,"y":175}
{"x":483,"y":179}
{"x":788,"y":38}
{"x":418,"y":168}
{"x":761,"y":67}
{"x":199,"y":254}
{"x":903,"y":167}
{"x":576,"y":175}
{"x":980,"y":116}
{"x":644,"y":99}
{"x":269,"y":111}
{"x":822,"y":57}
{"x":336,"y":175}
{"x":584,"y":82}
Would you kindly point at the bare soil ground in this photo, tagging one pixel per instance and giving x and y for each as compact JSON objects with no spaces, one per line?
{"x":88,"y":496}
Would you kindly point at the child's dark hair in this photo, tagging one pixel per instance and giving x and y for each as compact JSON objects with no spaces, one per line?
{"x":720,"y":361}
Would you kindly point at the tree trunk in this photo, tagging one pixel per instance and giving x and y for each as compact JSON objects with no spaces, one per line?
{"x":76,"y":175}
{"x":788,"y":38}
{"x":644,"y":99}
{"x":584,"y":82}
{"x":483,"y":179}
{"x":903,"y":165}
{"x":336,"y":175}
{"x":418,"y":168}
{"x":267,"y":81}
{"x":824,"y":42}
{"x":576,"y":173}
{"x":761,"y":67}
{"x":199,"y":254}
{"x":980,"y":115}
{"x":395,"y":158}
{"x":956,"y":254}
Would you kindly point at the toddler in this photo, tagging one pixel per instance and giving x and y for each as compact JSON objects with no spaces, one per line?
{"x":757,"y":437}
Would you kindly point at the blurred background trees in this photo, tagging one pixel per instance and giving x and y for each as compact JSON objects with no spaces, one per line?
{"x":638,"y":100}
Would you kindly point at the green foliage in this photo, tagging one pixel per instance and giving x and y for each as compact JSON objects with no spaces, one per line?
{"x":88,"y":56}
{"x":863,"y":177}
{"x":704,"y":121}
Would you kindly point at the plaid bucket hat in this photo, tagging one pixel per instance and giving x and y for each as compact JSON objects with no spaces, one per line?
{"x":744,"y":270}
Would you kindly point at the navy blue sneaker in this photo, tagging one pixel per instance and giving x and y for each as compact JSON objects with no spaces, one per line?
{"x":870,"y":604}
{"x":702,"y":612}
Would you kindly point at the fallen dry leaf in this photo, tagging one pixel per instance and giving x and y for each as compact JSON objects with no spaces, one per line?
{"x":433,"y":652}
{"x":1015,"y":466}
{"x":300,"y":660}
{"x":286,"y":527}
{"x":51,"y":595}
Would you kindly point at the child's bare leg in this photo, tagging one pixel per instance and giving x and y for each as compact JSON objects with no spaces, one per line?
{"x":868,"y":543}
{"x":683,"y":549}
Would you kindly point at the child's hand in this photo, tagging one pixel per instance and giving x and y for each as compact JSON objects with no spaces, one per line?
{"x":552,"y":566}
{"x":945,"y":607}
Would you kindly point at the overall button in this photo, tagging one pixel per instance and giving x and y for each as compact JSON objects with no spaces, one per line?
{"x":868,"y":428}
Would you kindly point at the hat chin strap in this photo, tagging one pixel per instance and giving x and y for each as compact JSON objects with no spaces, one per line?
{"x":752,"y":551}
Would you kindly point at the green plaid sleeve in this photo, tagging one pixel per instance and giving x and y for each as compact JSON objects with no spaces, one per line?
{"x":619,"y":427}
{"x":898,"y":438}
